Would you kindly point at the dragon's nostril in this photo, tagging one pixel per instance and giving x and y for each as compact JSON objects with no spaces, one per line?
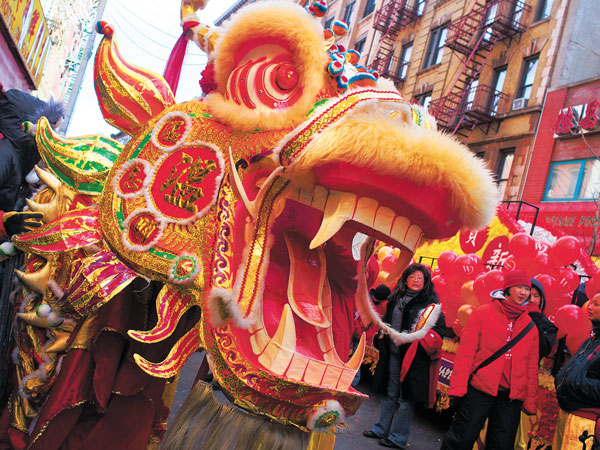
{"x":286,"y":77}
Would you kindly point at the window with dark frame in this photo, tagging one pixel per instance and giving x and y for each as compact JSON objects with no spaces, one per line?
{"x":369,"y":7}
{"x":424,"y":99}
{"x":420,"y":7}
{"x":527,"y":77}
{"x":497,"y":85}
{"x":490,"y":18}
{"x":405,"y":55}
{"x":360,"y":44}
{"x":435,"y":49}
{"x":503,"y":167}
{"x":517,"y":12}
{"x":573,"y":180}
{"x":544,"y":8}
{"x":348,"y":12}
{"x":471,"y":93}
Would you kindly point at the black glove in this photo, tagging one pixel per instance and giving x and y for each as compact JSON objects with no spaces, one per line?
{"x":21,"y":222}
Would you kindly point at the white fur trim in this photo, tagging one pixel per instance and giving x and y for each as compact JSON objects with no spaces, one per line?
{"x":182,"y":138}
{"x":225,"y":296}
{"x":142,"y":248}
{"x":56,"y":289}
{"x":147,"y":172}
{"x":190,"y":18}
{"x":331,"y":407}
{"x":192,"y":275}
{"x":403,"y":338}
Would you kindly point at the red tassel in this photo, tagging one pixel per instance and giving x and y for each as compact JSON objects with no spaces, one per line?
{"x":175,"y":61}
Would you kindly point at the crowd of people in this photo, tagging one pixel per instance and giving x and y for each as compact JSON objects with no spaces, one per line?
{"x":495,"y":373}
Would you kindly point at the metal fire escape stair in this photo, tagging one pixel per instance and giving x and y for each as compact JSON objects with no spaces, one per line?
{"x":473,"y":36}
{"x":390,"y":19}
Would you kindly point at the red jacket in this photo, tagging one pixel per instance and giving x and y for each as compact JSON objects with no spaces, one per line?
{"x":485,"y":333}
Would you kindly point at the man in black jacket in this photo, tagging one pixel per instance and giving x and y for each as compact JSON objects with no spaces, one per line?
{"x":18,"y":151}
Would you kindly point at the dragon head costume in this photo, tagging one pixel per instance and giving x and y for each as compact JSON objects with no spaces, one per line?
{"x":247,"y":204}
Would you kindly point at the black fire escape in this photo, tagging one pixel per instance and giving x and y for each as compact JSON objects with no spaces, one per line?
{"x":469,"y":104}
{"x":393,"y":17}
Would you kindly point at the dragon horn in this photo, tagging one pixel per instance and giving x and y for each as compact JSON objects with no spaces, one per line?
{"x":36,"y":281}
{"x":82,"y":163}
{"x":47,"y":177}
{"x":200,"y":33}
{"x":128,"y":95}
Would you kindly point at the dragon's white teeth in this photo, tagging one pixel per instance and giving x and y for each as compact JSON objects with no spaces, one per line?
{"x":338,"y":209}
{"x":279,"y":351}
{"x":319,"y":198}
{"x":414,"y":237}
{"x":366,"y":209}
{"x":259,"y":339}
{"x":384,"y":219}
{"x":357,"y":357}
{"x":352,"y":366}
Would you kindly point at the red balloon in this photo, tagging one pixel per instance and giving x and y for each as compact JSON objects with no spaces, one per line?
{"x":494,"y":280}
{"x":565,"y":250}
{"x":540,"y":264}
{"x":467,"y":295}
{"x":463,"y":313}
{"x":457,"y":328}
{"x":446,"y":262}
{"x":567,"y":319}
{"x":464,"y":268}
{"x":441,"y":286}
{"x":388,"y":263}
{"x":522,"y":246}
{"x":509,"y":264}
{"x":593,"y":286}
{"x":575,"y":340}
{"x":548,"y":283}
{"x":479,"y":289}
{"x":450,"y":306}
{"x":477,"y":262}
{"x":556,"y":300}
{"x":567,"y":280}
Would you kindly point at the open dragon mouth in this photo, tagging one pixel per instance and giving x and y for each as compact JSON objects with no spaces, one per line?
{"x":303,"y":331}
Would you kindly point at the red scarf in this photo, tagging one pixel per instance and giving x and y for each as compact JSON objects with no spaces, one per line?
{"x":511,"y":310}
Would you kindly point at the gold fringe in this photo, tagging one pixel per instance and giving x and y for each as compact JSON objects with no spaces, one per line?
{"x":203,"y":422}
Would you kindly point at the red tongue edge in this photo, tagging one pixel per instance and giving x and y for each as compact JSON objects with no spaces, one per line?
{"x":307,"y":274}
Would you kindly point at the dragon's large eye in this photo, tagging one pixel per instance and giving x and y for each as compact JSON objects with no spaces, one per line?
{"x":264,"y":77}
{"x":286,"y":77}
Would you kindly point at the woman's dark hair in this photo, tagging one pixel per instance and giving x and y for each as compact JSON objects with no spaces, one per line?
{"x":428,"y":287}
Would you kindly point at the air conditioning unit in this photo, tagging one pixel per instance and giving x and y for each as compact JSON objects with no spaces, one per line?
{"x":519,"y":103}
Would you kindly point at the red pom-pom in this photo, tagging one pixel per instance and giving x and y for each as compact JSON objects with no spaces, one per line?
{"x":207,"y":82}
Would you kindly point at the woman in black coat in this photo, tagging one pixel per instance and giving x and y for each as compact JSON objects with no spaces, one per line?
{"x":407,"y":358}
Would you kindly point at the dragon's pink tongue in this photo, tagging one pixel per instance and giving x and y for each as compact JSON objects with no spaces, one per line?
{"x":307,"y":275}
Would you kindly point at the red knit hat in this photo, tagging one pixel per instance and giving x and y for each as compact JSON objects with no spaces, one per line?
{"x":516,"y":278}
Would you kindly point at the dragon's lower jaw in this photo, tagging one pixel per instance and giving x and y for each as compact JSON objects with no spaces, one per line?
{"x":302,"y":331}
